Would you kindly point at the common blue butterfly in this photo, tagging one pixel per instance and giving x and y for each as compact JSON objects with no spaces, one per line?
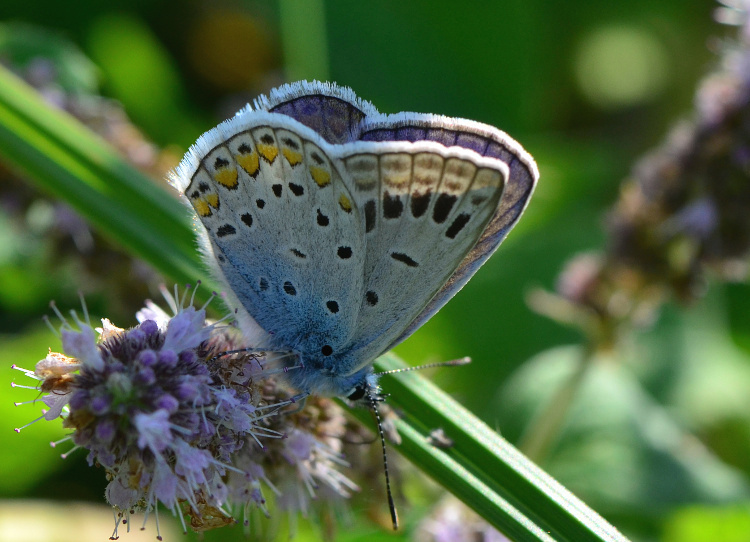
{"x":339,"y":231}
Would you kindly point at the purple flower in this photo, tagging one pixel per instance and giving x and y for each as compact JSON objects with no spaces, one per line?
{"x":172,"y":422}
{"x":154,"y":430}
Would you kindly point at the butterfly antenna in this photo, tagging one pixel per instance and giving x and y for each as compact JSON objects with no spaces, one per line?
{"x":461,"y":361}
{"x":391,"y":505}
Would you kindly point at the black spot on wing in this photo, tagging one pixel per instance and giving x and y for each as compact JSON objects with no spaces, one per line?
{"x":247,"y":218}
{"x":371,"y":298}
{"x":260,"y":203}
{"x":289,"y":288}
{"x":220,"y":163}
{"x":296,"y":189}
{"x":344,"y":253}
{"x":392,"y":206}
{"x":276,"y":190}
{"x":290,"y":143}
{"x":457,"y":225}
{"x":263,"y":284}
{"x":370,"y":215}
{"x":322,"y":219}
{"x":404,"y":258}
{"x":332,"y":306}
{"x":225,"y":229}
{"x":420,"y":203}
{"x":443,"y":207}
{"x":301,"y":255}
{"x":267,"y":139}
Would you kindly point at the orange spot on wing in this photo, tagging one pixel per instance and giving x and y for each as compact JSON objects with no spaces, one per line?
{"x":226,"y":176}
{"x":293,"y":157}
{"x":213,"y":200}
{"x":249,"y":162}
{"x":201,"y":207}
{"x":320,"y":176}
{"x":345,"y":203}
{"x":268,"y":152}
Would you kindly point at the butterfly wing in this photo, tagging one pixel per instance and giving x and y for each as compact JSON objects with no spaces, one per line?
{"x":333,"y":112}
{"x":423,"y":207}
{"x":281,"y":226}
{"x":486,"y":141}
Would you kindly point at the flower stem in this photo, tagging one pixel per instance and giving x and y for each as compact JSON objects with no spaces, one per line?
{"x":544,"y":430}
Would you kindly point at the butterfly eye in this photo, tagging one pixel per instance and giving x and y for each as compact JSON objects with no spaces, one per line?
{"x":327,"y":350}
{"x":357,"y":393}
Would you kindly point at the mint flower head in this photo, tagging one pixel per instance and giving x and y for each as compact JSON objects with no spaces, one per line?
{"x":176,"y":415}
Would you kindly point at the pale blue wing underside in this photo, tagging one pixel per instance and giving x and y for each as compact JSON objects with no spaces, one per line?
{"x":272,"y":203}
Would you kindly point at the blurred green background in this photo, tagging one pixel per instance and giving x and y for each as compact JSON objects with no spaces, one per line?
{"x":658,"y":437}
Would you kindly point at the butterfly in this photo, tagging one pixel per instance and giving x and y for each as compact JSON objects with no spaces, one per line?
{"x":339,"y":231}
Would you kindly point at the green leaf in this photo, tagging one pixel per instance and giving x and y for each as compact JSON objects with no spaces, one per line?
{"x":618,"y":446}
{"x":701,"y":523}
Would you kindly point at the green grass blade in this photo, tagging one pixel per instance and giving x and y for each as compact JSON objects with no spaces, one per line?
{"x":66,"y":159}
{"x":501,"y":468}
{"x":483,"y":469}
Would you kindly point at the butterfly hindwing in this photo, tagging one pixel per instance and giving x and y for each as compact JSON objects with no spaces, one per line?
{"x":284,"y":231}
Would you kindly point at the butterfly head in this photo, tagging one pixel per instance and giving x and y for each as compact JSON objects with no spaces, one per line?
{"x":366,"y":391}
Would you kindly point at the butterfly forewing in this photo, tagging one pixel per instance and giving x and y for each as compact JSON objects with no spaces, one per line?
{"x":487,"y":141}
{"x":424,"y":207}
